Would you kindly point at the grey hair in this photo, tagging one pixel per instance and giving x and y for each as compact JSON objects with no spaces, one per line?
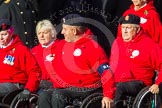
{"x":46,"y":24}
{"x":80,"y":29}
{"x":136,"y":25}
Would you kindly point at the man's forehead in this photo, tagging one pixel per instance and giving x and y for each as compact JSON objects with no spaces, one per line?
{"x":127,"y":25}
{"x":67,"y":26}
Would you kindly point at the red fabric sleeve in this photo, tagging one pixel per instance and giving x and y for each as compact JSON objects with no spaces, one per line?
{"x":33,"y":72}
{"x":156,"y":62}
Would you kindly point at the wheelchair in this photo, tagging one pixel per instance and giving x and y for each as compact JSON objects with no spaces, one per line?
{"x":144,"y":99}
{"x":92,"y":101}
{"x":11,"y":101}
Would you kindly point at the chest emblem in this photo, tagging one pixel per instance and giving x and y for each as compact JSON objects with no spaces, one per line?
{"x":9,"y":60}
{"x":143,"y":20}
{"x":135,"y":53}
{"x":50,"y":57}
{"x":77,"y":52}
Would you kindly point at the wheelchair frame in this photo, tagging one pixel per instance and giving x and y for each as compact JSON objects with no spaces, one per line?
{"x":145,"y":99}
{"x":11,"y":101}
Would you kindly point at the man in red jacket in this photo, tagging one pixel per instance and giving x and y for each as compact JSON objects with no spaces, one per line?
{"x":134,"y":59}
{"x":18,"y":68}
{"x":80,"y":66}
{"x":149,"y":18}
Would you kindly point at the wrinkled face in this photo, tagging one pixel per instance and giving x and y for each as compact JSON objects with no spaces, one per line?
{"x":44,"y":36}
{"x":139,"y":2}
{"x":129,"y":31}
{"x":5,"y":37}
{"x":68,"y":32}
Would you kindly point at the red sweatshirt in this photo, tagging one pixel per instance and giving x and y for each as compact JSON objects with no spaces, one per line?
{"x":76,"y":64}
{"x":136,"y":60}
{"x":17,"y":65}
{"x":43,"y":56}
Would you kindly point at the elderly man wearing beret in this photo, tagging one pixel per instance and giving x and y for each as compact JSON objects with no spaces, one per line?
{"x":134,"y":59}
{"x":80,"y":67}
{"x":18,"y":68}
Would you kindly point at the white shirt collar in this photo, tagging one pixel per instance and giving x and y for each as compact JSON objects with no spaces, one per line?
{"x":46,"y":46}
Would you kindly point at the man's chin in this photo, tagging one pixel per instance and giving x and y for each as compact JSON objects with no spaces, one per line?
{"x":2,"y":44}
{"x":126,"y":40}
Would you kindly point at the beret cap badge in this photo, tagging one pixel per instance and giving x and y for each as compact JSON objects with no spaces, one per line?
{"x":4,"y":26}
{"x":127,"y":18}
{"x":63,"y":20}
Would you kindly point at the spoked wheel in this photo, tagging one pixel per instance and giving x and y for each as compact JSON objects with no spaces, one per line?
{"x":32,"y":103}
{"x":145,"y":99}
{"x":92,"y":101}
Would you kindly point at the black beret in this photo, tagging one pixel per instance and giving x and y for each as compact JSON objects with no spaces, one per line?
{"x":4,"y":24}
{"x":130,"y":19}
{"x":74,"y":20}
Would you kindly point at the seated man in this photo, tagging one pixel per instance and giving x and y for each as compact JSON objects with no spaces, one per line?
{"x":79,"y":67}
{"x":18,"y":68}
{"x":134,"y":59}
{"x":46,"y":34}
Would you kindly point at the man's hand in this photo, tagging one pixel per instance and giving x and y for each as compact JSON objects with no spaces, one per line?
{"x":154,"y":89}
{"x":106,"y":102}
{"x":24,"y":95}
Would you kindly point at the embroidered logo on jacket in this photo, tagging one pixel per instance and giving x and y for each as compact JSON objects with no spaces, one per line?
{"x":143,"y":20}
{"x":9,"y":60}
{"x":135,"y":53}
{"x":50,"y":57}
{"x":146,"y":12}
{"x":77,"y":52}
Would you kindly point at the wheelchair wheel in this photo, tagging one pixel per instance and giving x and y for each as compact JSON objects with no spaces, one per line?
{"x":7,"y":99}
{"x":92,"y":101}
{"x":32,"y":103}
{"x":145,"y":99}
{"x":33,"y":100}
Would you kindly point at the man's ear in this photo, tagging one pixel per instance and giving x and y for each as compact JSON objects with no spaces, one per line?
{"x":138,"y":29}
{"x":74,"y":31}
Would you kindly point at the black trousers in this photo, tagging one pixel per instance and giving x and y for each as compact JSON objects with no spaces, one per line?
{"x":60,"y":98}
{"x":123,"y":89}
{"x":8,"y":87}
